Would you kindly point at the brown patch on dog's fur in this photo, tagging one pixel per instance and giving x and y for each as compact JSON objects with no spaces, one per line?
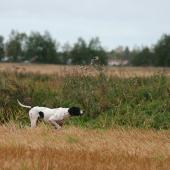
{"x":60,"y":122}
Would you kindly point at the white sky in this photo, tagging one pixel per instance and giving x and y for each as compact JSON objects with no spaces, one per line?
{"x":115,"y":22}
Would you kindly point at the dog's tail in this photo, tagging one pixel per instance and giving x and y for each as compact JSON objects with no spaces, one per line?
{"x":29,"y":107}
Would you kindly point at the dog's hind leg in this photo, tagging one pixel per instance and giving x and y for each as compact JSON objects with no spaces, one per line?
{"x":34,"y":122}
{"x":33,"y":118}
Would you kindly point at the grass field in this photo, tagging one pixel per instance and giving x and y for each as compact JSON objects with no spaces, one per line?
{"x":86,"y":70}
{"x":126,"y":126}
{"x":75,"y":148}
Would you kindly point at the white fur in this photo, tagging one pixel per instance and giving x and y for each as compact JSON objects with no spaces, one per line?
{"x":50,"y":115}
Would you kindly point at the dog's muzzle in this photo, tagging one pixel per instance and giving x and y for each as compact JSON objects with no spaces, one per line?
{"x":82,"y":112}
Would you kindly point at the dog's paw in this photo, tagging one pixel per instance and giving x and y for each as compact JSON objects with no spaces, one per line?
{"x":58,"y":127}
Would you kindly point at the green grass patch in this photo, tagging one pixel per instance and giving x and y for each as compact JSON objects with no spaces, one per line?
{"x":142,"y":102}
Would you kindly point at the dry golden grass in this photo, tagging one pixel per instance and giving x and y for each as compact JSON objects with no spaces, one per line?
{"x":75,"y":148}
{"x":62,"y":70}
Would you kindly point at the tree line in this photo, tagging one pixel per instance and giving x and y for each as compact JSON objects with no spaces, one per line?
{"x":158,"y":55}
{"x":42,"y":48}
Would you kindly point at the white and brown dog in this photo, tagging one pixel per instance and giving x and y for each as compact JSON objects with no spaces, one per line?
{"x":54,"y":116}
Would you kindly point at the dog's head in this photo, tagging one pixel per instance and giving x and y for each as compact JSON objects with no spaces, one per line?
{"x":75,"y":111}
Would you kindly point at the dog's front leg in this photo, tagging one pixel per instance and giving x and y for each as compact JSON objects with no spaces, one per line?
{"x":53,"y":122}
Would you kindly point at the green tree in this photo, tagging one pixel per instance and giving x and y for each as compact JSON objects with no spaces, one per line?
{"x":65,"y":56}
{"x":79,"y":53}
{"x":42,"y":47}
{"x":15,"y":45}
{"x":83,"y":53}
{"x":95,"y":49}
{"x":126,"y":53}
{"x":1,"y":47}
{"x":162,"y":51}
{"x":142,"y":57}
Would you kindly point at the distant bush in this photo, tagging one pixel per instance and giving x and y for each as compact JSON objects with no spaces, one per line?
{"x":108,"y":101}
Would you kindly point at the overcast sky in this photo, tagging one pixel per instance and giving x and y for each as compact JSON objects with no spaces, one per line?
{"x":115,"y":22}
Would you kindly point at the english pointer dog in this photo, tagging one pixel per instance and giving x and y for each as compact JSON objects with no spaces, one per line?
{"x":54,"y":116}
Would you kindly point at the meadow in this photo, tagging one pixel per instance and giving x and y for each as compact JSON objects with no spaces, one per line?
{"x":126,"y":125}
{"x":76,"y":148}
